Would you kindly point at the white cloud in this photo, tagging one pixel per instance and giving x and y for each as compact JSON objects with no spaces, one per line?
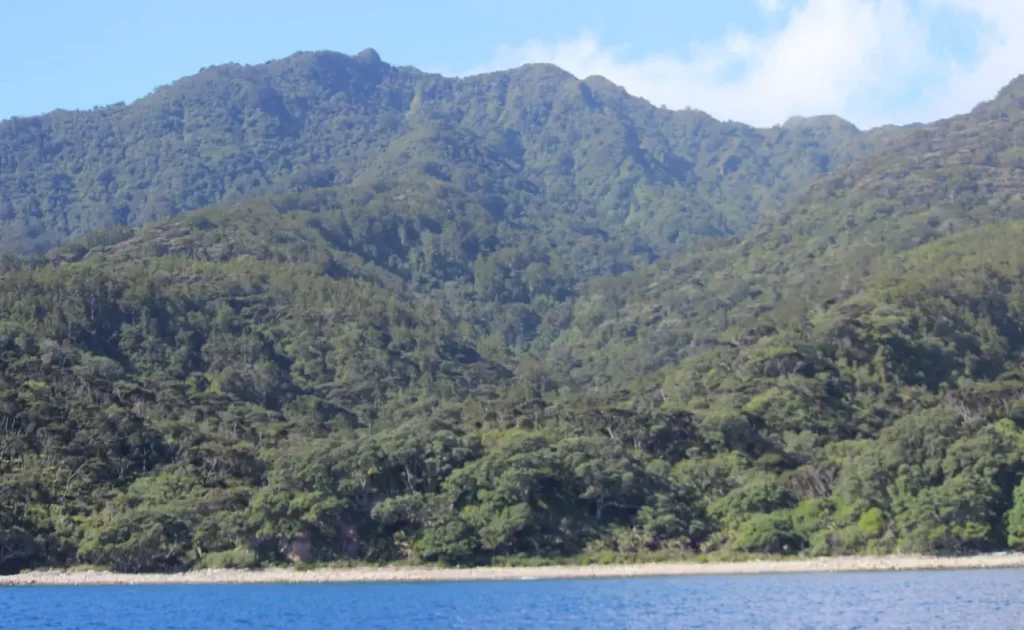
{"x":772,"y":6}
{"x":1001,"y":56}
{"x":866,"y":60}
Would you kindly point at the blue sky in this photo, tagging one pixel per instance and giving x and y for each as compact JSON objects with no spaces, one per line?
{"x":758,"y":61}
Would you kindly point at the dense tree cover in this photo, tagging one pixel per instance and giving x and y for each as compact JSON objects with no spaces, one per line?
{"x":486,"y":329}
{"x":580,"y":148}
{"x":927,"y":182}
{"x":163,"y":410}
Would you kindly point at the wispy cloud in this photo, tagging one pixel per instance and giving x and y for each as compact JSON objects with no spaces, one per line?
{"x":771,"y":6}
{"x":870,"y":61}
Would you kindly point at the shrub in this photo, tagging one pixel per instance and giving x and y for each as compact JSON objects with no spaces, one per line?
{"x":233,"y":559}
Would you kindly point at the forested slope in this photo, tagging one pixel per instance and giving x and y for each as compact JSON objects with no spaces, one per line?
{"x":442,"y":352}
{"x":926,"y":183}
{"x":161,"y":408}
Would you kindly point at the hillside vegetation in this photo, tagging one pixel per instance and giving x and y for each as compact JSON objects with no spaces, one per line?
{"x":502,"y":319}
{"x":536,"y":134}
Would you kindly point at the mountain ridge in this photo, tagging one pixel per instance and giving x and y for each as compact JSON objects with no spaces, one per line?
{"x":233,"y":131}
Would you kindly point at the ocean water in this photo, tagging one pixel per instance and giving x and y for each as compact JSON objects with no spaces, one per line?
{"x":989,"y":599}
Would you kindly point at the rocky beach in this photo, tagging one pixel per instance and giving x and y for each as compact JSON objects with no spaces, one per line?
{"x":428,"y":574}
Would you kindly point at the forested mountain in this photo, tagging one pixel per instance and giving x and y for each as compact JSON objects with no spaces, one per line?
{"x":506,"y":318}
{"x":535,"y":136}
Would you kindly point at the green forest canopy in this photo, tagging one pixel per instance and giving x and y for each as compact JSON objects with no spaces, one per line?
{"x":580,"y":343}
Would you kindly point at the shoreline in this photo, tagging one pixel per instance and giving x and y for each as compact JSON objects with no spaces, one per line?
{"x":426,"y":574}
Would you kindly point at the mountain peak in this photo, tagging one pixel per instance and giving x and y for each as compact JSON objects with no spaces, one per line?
{"x":1009,"y":99}
{"x":600,"y":83}
{"x":369,"y":56}
{"x":543,"y":69}
{"x":827,"y":122}
{"x":1015,"y":86}
{"x":1012,"y":96}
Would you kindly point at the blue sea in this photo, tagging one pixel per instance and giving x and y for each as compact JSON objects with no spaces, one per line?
{"x":990,"y":599}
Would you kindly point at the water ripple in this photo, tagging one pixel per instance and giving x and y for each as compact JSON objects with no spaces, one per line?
{"x":981,"y":599}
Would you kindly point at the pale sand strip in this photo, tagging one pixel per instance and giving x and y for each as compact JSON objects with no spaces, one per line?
{"x":407,"y":574}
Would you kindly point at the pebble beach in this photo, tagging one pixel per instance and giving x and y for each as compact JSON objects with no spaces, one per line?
{"x":427,"y":574}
